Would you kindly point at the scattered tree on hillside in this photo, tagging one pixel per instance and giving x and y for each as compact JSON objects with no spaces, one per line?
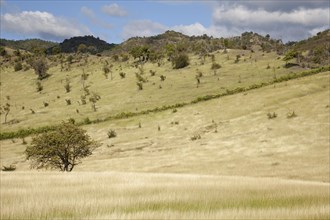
{"x":61,"y":149}
{"x":18,"y":66}
{"x":67,"y":85}
{"x":5,"y":109}
{"x":82,"y":48}
{"x":3,"y":51}
{"x":39,"y":86}
{"x":93,"y":99}
{"x":180,"y":61}
{"x":40,"y":68}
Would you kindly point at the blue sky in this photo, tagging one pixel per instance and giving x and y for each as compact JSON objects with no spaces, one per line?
{"x":116,"y":21}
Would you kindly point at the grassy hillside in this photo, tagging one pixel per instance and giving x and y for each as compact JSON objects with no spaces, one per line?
{"x":122,"y":95}
{"x":237,"y":138}
{"x":249,"y":141}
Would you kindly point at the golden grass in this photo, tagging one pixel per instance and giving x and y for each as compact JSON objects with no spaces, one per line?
{"x":121,"y":95}
{"x":110,"y":195}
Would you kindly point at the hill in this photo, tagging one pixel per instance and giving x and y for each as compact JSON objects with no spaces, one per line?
{"x":29,"y":45}
{"x":202,"y":44}
{"x":234,"y":133}
{"x":315,"y":50}
{"x":84,"y":44}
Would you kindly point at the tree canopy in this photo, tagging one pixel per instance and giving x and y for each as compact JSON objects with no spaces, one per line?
{"x":61,"y":149}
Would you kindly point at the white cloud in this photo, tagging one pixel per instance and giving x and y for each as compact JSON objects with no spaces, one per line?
{"x":241,"y":16}
{"x":41,"y":24}
{"x":89,"y":13}
{"x":114,"y":10}
{"x":296,"y":24}
{"x":142,"y":28}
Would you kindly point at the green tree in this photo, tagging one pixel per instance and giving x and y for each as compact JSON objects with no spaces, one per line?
{"x":290,"y":55}
{"x":40,"y":68}
{"x":61,"y":149}
{"x":82,"y":48}
{"x":180,"y":61}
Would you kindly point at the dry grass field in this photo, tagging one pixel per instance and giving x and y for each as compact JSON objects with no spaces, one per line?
{"x":111,"y":195}
{"x":241,"y":164}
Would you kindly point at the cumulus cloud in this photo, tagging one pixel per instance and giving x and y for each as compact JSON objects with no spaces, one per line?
{"x":142,"y":28}
{"x":286,"y":20}
{"x":41,"y":24}
{"x":284,"y":6}
{"x":114,"y":10}
{"x":292,"y":25}
{"x":89,"y":13}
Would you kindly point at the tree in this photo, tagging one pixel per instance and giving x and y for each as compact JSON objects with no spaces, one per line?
{"x":60,"y":149}
{"x":93,"y":99}
{"x":82,"y":48}
{"x":5,"y":110}
{"x":40,"y":68}
{"x":180,"y":61}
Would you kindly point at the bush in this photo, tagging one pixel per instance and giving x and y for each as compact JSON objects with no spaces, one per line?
{"x":162,"y":77}
{"x":195,"y":137}
{"x":87,"y":121}
{"x":39,"y":87}
{"x":9,"y":168}
{"x":122,"y":75}
{"x":180,"y":61}
{"x":271,"y":115}
{"x":67,"y":86}
{"x":215,"y":66}
{"x":18,"y":66}
{"x":291,"y":114}
{"x":40,"y":68}
{"x":140,"y":85}
{"x":112,"y":133}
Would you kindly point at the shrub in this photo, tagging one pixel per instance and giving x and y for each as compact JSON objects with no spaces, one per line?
{"x":87,"y":121}
{"x":40,"y":68}
{"x":46,"y":104}
{"x":106,"y":71}
{"x":67,"y":85}
{"x":152,"y":73}
{"x":93,"y":99}
{"x":39,"y":87}
{"x":180,"y":61}
{"x":291,"y":114}
{"x":9,"y":168}
{"x":162,"y":77}
{"x":140,"y":78}
{"x":122,"y":75}
{"x":195,"y":137}
{"x":271,"y":115}
{"x":140,"y":85}
{"x":215,"y":66}
{"x":111,"y":133}
{"x":68,"y":101}
{"x":83,"y":99}
{"x":18,"y":66}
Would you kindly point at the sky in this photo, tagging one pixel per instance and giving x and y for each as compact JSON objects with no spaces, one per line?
{"x":117,"y":21}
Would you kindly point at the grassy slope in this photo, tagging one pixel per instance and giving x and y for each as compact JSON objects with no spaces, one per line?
{"x":121,"y":95}
{"x":237,"y":139}
{"x":246,"y":141}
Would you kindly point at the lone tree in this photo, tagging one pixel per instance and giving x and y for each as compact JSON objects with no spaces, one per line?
{"x":40,"y":68}
{"x":180,"y":61}
{"x":60,"y":149}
